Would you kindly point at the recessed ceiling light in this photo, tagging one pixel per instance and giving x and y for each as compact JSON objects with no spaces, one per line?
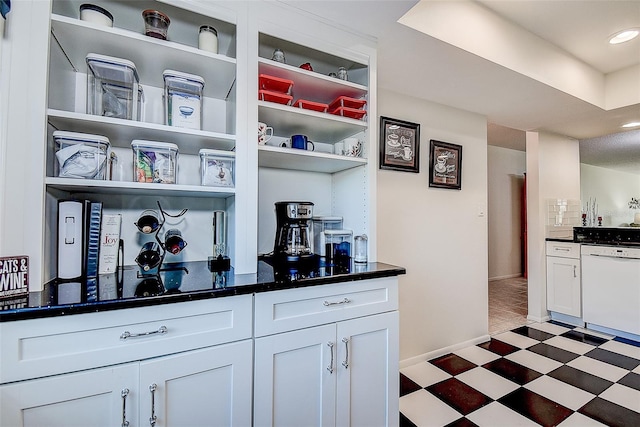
{"x":631,"y":125}
{"x":624,"y":36}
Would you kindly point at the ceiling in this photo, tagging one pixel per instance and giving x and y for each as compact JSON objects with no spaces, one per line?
{"x":527,"y":65}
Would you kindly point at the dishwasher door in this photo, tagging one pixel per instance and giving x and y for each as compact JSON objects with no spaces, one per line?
{"x":611,"y":287}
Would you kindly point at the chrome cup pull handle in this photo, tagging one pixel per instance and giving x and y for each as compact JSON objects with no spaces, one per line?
{"x":124,"y":393}
{"x":344,"y":301}
{"x":330,"y":367}
{"x":161,"y":331}
{"x":153,"y":418}
{"x":345,"y":363}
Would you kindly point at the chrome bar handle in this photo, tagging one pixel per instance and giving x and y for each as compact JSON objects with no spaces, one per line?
{"x":345,"y":363}
{"x":344,"y":301}
{"x":161,"y":330}
{"x":124,"y":393}
{"x":330,"y":367}
{"x":574,"y":272}
{"x":153,"y":418}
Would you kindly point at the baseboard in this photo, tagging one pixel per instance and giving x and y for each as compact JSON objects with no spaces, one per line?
{"x":539,"y":319}
{"x":508,"y":276}
{"x":442,"y":351}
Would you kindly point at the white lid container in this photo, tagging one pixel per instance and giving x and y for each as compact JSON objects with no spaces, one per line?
{"x":112,"y":87}
{"x":81,"y":155}
{"x":96,"y":15}
{"x":320,"y":224}
{"x":217,"y":168}
{"x":154,"y":161}
{"x":183,"y":99}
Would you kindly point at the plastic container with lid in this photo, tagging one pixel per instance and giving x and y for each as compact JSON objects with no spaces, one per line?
{"x":217,"y":168}
{"x":112,"y":87}
{"x":208,"y":39}
{"x":156,"y":24}
{"x":96,"y":15}
{"x":320,"y":224}
{"x":154,"y":161}
{"x":183,"y":99}
{"x":81,"y":155}
{"x":337,"y":245}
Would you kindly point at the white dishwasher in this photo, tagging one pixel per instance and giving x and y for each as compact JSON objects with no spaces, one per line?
{"x":611,"y":287}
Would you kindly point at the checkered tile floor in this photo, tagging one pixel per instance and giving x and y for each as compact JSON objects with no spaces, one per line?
{"x":545,"y":374}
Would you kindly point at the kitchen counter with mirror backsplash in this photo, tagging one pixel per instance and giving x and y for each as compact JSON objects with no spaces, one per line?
{"x":186,"y":281}
{"x":611,"y":236}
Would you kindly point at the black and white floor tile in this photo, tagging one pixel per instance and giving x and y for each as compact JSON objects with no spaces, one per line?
{"x":541,"y":374}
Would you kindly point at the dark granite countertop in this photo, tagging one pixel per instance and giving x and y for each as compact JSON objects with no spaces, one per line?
{"x":178,"y":283}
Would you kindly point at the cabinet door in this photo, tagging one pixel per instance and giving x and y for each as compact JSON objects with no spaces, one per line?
{"x":563,"y":286}
{"x":367,"y":389}
{"x":295,"y":378}
{"x":88,"y":398}
{"x":201,"y":387}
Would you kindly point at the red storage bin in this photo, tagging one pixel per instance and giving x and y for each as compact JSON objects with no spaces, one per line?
{"x":274,"y":84}
{"x":345,"y":101}
{"x":310,"y":105}
{"x":277,"y":97}
{"x":352,"y":113}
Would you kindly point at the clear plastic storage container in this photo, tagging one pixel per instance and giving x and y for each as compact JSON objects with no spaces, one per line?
{"x":113,"y":87}
{"x":217,"y":168}
{"x":81,"y":155}
{"x":320,"y":224}
{"x":183,"y":99}
{"x":337,"y":245}
{"x":154,"y":161}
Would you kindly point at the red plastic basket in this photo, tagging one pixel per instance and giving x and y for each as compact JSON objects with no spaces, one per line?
{"x":349,"y":112}
{"x":310,"y":105}
{"x":345,"y":101}
{"x":274,"y":84}
{"x":277,"y":97}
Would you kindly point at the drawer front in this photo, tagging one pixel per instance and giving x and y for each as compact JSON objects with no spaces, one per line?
{"x":291,"y":309}
{"x":563,"y":250}
{"x":41,"y":347}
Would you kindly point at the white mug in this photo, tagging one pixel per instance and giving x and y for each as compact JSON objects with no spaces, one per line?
{"x":264,"y":133}
{"x":352,"y":147}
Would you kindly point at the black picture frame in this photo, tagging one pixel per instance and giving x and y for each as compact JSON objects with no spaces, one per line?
{"x":399,"y":145}
{"x":445,"y":165}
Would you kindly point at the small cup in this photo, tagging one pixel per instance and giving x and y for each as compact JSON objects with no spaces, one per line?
{"x":264,"y":133}
{"x":352,"y":147}
{"x":301,"y":142}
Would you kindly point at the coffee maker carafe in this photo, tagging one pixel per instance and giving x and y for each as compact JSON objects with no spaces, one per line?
{"x":293,"y":231}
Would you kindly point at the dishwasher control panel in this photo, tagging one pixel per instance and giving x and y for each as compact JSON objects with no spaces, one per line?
{"x":610,"y":251}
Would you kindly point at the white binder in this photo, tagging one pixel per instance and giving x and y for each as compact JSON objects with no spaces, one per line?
{"x":70,"y":239}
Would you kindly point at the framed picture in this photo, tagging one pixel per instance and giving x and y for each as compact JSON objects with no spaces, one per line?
{"x":445,"y":165}
{"x":399,"y":145}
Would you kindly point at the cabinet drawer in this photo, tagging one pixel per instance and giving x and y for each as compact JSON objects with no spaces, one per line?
{"x":286,"y":310}
{"x":40,"y":347}
{"x":563,"y":250}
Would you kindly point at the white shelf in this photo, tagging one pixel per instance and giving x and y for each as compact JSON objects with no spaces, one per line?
{"x":137,"y":188}
{"x":293,"y":159}
{"x":151,"y":56}
{"x":312,"y":86}
{"x":121,"y":132}
{"x":321,"y":127}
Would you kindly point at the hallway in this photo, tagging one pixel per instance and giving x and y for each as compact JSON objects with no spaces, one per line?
{"x":507,"y":304}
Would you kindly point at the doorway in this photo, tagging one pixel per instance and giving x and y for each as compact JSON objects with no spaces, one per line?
{"x":507,"y":282}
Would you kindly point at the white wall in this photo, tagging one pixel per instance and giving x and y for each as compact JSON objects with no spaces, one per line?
{"x":436,"y":234}
{"x":553,"y":172}
{"x":505,"y":170}
{"x":612,"y":190}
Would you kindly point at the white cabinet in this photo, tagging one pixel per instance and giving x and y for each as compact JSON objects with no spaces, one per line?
{"x":341,"y":372}
{"x":72,"y":370}
{"x":564,"y":294}
{"x":211,"y":386}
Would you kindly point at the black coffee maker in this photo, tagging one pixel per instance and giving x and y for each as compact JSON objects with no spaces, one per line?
{"x":293,"y":232}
